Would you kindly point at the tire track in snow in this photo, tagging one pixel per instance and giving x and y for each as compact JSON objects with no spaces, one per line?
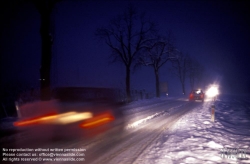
{"x":134,"y":145}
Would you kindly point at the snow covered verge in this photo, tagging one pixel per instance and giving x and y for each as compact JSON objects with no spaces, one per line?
{"x":196,"y":139}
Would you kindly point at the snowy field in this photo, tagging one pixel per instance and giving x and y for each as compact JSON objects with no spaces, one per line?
{"x":196,"y":139}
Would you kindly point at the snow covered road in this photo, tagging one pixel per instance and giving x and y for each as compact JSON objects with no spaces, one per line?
{"x":172,"y":131}
{"x":143,"y":134}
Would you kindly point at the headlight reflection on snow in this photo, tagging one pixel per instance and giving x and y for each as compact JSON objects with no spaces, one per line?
{"x":137,"y":123}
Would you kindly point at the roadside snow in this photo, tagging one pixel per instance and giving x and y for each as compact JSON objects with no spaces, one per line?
{"x":196,"y":139}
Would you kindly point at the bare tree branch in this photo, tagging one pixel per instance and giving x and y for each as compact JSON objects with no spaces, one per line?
{"x":157,"y":52}
{"x":127,"y":35}
{"x":180,"y":69}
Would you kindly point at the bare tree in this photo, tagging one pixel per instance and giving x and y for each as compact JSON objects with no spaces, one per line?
{"x":157,"y":53}
{"x":126,"y":36}
{"x":195,"y":72}
{"x":45,"y":8}
{"x":180,"y":69}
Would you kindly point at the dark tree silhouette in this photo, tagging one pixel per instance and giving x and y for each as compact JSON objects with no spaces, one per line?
{"x":157,"y":53}
{"x":45,"y":8}
{"x":127,"y":35}
{"x":195,"y":71}
{"x":180,"y":69}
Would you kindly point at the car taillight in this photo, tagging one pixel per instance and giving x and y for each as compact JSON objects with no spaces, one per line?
{"x":191,"y":95}
{"x":98,"y":120}
{"x":54,"y":118}
{"x":35,"y":120}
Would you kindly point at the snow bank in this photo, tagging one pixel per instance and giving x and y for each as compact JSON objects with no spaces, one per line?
{"x":196,"y":139}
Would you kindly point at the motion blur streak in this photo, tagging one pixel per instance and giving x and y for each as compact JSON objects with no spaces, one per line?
{"x":97,"y":121}
{"x":64,"y":118}
{"x":71,"y":117}
{"x":37,"y":108}
{"x":35,"y":120}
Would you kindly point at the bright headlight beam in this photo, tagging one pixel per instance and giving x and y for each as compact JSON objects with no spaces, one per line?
{"x":212,"y":91}
{"x":71,"y":117}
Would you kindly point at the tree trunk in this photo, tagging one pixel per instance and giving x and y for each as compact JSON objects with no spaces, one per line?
{"x":192,"y":83}
{"x":157,"y":85}
{"x":128,"y":84}
{"x":183,"y":87}
{"x":46,"y":55}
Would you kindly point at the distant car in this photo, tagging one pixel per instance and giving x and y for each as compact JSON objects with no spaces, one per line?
{"x":197,"y":94}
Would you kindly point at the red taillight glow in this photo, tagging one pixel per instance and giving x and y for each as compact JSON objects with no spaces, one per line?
{"x":97,"y":121}
{"x":191,"y":95}
{"x":54,"y":118}
{"x":35,"y":120}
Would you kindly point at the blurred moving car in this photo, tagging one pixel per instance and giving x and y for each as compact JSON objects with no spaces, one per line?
{"x":196,"y":94}
{"x":74,"y":112}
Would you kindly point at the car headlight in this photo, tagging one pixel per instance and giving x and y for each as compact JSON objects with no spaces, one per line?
{"x":212,"y":91}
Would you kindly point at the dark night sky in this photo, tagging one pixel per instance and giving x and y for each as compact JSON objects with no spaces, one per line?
{"x":216,"y":33}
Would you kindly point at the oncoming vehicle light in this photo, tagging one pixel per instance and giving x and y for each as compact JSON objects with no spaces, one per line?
{"x":212,"y":91}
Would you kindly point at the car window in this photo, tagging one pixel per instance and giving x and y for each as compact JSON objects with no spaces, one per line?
{"x":197,"y":91}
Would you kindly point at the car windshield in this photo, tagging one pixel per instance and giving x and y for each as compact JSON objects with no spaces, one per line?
{"x":197,"y":91}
